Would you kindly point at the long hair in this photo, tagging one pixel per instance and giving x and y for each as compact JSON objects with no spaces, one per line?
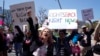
{"x":19,"y":30}
{"x":50,"y":39}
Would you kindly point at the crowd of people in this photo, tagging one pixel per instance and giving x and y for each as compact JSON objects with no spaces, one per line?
{"x":44,"y":43}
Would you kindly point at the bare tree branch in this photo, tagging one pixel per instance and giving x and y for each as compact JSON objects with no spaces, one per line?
{"x":42,"y":15}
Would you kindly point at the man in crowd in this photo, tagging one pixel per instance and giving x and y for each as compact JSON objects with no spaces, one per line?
{"x":86,"y":38}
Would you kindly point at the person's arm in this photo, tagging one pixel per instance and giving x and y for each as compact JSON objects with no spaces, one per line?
{"x":30,"y":22}
{"x":70,"y":36}
{"x":31,"y":25}
{"x":92,"y":27}
{"x":96,"y":33}
{"x":91,"y":31}
{"x":33,"y":29}
{"x":39,"y":43}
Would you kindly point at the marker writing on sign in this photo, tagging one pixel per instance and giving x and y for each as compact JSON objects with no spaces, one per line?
{"x":70,"y":20}
{"x":62,"y":14}
{"x":55,"y":20}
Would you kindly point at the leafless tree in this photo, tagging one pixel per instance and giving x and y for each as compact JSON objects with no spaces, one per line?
{"x":42,"y":15}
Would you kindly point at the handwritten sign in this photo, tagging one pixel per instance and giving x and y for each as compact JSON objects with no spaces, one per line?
{"x":19,"y":12}
{"x":62,"y":19}
{"x":87,"y":14}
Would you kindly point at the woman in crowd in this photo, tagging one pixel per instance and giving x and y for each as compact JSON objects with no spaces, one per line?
{"x":96,"y":47}
{"x":18,"y":40}
{"x":33,"y":28}
{"x":26,"y":44}
{"x":47,"y":48}
{"x":75,"y":44}
{"x":9,"y":40}
{"x":3,"y":43}
{"x":59,"y":47}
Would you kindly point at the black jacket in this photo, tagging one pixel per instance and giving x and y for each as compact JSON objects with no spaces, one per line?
{"x":34,"y":32}
{"x":18,"y":37}
{"x":88,"y":34}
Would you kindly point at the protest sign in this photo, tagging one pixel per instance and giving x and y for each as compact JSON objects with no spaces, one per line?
{"x":19,"y":13}
{"x":87,"y":14}
{"x":62,"y":19}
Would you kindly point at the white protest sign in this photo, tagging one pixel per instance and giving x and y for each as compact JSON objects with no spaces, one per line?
{"x":19,"y":12}
{"x":87,"y":14}
{"x":62,"y":19}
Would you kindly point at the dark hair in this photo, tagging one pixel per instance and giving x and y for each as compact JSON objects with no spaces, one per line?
{"x":19,"y":30}
{"x":96,"y":49}
{"x":63,"y":31}
{"x":75,"y":31}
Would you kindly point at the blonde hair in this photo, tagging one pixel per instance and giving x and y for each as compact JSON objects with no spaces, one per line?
{"x":49,"y":40}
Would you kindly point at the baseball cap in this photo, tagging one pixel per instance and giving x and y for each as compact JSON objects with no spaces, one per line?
{"x":84,"y":26}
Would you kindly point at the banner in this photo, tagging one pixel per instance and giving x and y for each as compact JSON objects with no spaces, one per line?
{"x":87,"y":14}
{"x":62,"y":19}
